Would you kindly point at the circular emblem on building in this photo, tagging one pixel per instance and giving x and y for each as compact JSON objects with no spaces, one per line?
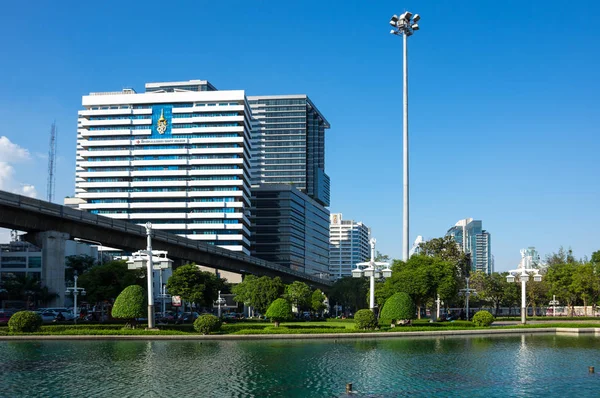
{"x":161,"y":125}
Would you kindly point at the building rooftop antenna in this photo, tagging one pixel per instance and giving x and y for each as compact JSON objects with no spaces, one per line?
{"x":52,"y":163}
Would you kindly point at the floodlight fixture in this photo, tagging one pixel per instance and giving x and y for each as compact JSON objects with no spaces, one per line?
{"x":416,"y":18}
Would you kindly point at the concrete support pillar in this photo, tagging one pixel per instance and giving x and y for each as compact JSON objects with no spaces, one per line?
{"x":53,"y":263}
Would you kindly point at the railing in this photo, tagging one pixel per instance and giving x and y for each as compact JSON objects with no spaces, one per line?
{"x":68,"y":213}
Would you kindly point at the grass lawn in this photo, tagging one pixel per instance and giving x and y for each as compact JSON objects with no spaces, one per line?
{"x":264,"y":327}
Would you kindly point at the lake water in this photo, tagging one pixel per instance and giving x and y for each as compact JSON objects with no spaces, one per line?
{"x":512,"y":366}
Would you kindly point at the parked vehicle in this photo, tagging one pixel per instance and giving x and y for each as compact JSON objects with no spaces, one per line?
{"x":187,"y":317}
{"x":50,"y":316}
{"x":5,"y":316}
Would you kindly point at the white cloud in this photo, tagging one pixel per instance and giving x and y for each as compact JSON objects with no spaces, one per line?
{"x":13,"y":153}
{"x":27,"y":190}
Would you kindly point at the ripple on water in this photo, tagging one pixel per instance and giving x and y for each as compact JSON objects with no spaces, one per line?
{"x":474,"y":367}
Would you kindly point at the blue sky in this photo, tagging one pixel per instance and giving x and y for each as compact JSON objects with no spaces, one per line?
{"x":503,"y":100}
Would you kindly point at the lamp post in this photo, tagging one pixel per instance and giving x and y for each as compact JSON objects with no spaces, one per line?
{"x":145,"y":258}
{"x":75,"y":291}
{"x":372,"y":270}
{"x":554,"y":302}
{"x":220,"y":301}
{"x":467,"y":293}
{"x":524,"y":277}
{"x":99,"y":244}
{"x":405,"y":25}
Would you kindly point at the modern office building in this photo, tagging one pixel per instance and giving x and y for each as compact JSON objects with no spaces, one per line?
{"x":288,"y":144}
{"x":290,"y":229}
{"x":474,"y":240}
{"x":177,"y":155}
{"x":348,"y":245}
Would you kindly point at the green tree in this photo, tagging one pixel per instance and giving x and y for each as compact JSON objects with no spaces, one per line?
{"x":398,"y":307}
{"x":447,"y":249}
{"x":350,"y":293}
{"x":317,"y":301}
{"x":491,"y":288}
{"x":423,"y":278}
{"x":79,"y":264}
{"x":299,"y":294}
{"x":595,"y":257}
{"x":561,"y":257}
{"x":105,"y":282}
{"x":130,"y":304}
{"x":585,"y":283}
{"x":560,"y":280}
{"x":194,"y":285}
{"x":258,"y":292}
{"x":280,"y":310}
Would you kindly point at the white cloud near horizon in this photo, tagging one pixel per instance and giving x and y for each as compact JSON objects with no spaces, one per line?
{"x":11,"y":153}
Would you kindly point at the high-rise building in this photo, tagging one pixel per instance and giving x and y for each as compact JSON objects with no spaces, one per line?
{"x":290,"y":229}
{"x":348,"y":245}
{"x":177,"y":155}
{"x":288,"y":144}
{"x":474,"y":240}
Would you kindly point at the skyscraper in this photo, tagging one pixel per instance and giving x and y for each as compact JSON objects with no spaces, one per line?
{"x":177,"y":155}
{"x":348,"y":245}
{"x":288,"y":145}
{"x":290,"y":228}
{"x":474,"y":240}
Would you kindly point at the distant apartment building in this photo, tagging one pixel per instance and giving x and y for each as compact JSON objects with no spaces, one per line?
{"x":288,"y":144}
{"x":177,"y":155}
{"x":348,"y":245}
{"x":475,"y":241}
{"x":290,"y":229}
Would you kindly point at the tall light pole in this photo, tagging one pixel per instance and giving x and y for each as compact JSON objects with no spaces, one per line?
{"x":405,"y":25}
{"x":372,"y":271}
{"x":467,"y":293}
{"x":76,"y":291}
{"x":220,"y":301}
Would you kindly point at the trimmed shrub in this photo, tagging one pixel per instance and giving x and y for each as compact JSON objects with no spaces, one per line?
{"x":365,"y":320}
{"x":25,"y":322}
{"x":398,"y":307}
{"x":130,"y":304}
{"x":483,"y":318}
{"x":207,"y":323}
{"x":279,"y":310}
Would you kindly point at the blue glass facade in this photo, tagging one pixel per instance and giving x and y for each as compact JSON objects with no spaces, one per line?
{"x":289,"y":145}
{"x":290,"y":229}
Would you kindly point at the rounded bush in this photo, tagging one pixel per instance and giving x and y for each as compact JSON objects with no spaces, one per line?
{"x":25,"y":322}
{"x":398,"y":307}
{"x":365,"y":320}
{"x":207,"y":323}
{"x":279,"y":310}
{"x":483,"y":318}
{"x":131,"y":303}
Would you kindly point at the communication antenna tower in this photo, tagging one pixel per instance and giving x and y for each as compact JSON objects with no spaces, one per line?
{"x":51,"y":163}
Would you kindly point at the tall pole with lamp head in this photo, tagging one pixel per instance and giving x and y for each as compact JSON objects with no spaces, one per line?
{"x":405,"y":25}
{"x":149,"y":266}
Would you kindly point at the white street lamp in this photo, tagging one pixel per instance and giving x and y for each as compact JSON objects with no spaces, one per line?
{"x":220,"y":301}
{"x":145,"y":258}
{"x":467,"y":293}
{"x":554,"y":302}
{"x":524,"y":278}
{"x":405,"y":25}
{"x":99,"y":244}
{"x":372,"y":270}
{"x":75,"y":291}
